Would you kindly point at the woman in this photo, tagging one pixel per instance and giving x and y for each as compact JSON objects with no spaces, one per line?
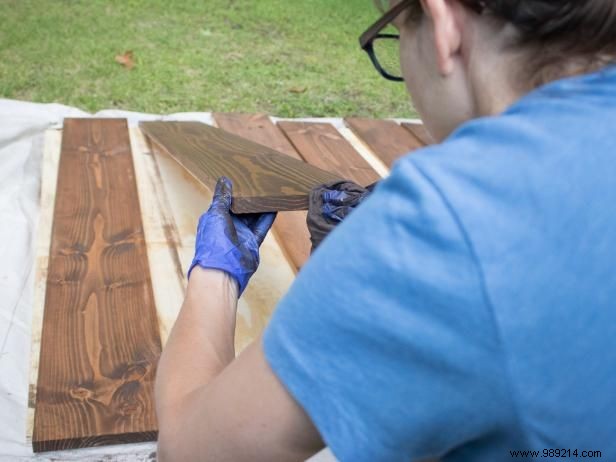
{"x":466,"y":309}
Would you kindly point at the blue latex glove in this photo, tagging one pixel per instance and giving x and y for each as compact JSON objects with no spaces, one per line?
{"x":340,"y":198}
{"x":230,"y":242}
{"x":330,"y":204}
{"x":338,"y":204}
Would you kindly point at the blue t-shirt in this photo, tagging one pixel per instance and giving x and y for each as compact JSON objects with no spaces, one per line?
{"x":468,"y":308}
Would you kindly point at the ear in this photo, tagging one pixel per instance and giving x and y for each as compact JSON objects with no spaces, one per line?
{"x":446,"y":31}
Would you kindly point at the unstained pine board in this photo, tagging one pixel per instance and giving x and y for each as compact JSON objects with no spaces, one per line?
{"x":388,"y":140}
{"x":290,"y":227}
{"x":100,"y":341}
{"x":321,"y":145}
{"x":264,"y":180}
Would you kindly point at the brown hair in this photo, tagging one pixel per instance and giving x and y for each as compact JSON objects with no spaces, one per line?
{"x":566,"y":36}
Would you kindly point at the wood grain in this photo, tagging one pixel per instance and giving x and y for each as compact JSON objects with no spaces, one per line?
{"x":321,"y":145}
{"x":170,"y":196}
{"x":264,"y":180}
{"x":420,"y":132}
{"x":257,"y":128}
{"x":388,"y":140}
{"x":290,"y":227}
{"x":100,"y":340}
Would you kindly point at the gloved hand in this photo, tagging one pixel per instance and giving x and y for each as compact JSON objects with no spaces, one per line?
{"x":330,"y":204}
{"x":230,"y":242}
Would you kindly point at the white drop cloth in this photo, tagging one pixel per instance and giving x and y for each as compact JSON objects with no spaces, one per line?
{"x":22,"y":126}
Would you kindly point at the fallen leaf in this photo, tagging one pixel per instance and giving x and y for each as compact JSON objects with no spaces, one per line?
{"x":126,"y":59}
{"x":234,"y":56}
{"x":298,"y":90}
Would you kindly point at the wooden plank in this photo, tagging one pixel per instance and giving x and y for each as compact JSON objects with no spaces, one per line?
{"x":388,"y":140}
{"x":290,"y":227}
{"x":49,"y":177}
{"x":162,"y":235}
{"x":420,"y":132}
{"x":321,"y":145}
{"x":100,"y":340}
{"x":186,"y":199}
{"x":171,"y":202}
{"x":264,"y":180}
{"x":257,"y":128}
{"x":377,"y":164}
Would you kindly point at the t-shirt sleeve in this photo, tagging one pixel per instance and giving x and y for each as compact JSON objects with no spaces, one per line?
{"x":385,"y":338}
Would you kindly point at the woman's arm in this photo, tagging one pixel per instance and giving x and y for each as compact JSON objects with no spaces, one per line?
{"x":209,"y":405}
{"x":201,"y":343}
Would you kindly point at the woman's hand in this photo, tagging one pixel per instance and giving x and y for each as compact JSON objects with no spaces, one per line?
{"x":230,"y":242}
{"x":330,"y":204}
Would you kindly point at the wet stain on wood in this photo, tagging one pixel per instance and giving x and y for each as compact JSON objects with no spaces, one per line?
{"x":290,"y":227}
{"x":100,"y":341}
{"x":388,"y":140}
{"x":264,"y":180}
{"x":321,"y":145}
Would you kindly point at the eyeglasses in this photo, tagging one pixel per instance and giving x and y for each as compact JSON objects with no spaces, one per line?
{"x":387,"y":45}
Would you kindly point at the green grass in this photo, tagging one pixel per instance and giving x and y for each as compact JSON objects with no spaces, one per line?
{"x":289,"y":58}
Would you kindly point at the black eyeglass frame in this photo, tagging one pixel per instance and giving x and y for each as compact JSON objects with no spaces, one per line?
{"x":366,"y":40}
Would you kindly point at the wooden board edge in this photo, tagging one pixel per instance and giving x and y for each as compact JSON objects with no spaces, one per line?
{"x":365,"y":151}
{"x":161,"y":235}
{"x":101,"y":440}
{"x":412,"y":128}
{"x":49,"y":175}
{"x":242,"y":205}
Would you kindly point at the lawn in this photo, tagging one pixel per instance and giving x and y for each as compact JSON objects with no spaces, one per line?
{"x":289,"y":58}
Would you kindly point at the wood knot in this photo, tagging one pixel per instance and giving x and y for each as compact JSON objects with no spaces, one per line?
{"x":80,"y":393}
{"x":135,"y":372}
{"x":127,"y":408}
{"x":126,"y":399}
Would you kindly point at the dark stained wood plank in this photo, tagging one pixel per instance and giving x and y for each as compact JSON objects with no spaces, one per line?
{"x":420,"y":132}
{"x":290,"y":227}
{"x":100,"y":341}
{"x":257,"y":128}
{"x":388,"y":140}
{"x":321,"y":145}
{"x":264,"y":180}
{"x":292,"y":232}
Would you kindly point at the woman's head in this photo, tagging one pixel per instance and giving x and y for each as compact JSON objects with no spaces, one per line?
{"x":466,"y":58}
